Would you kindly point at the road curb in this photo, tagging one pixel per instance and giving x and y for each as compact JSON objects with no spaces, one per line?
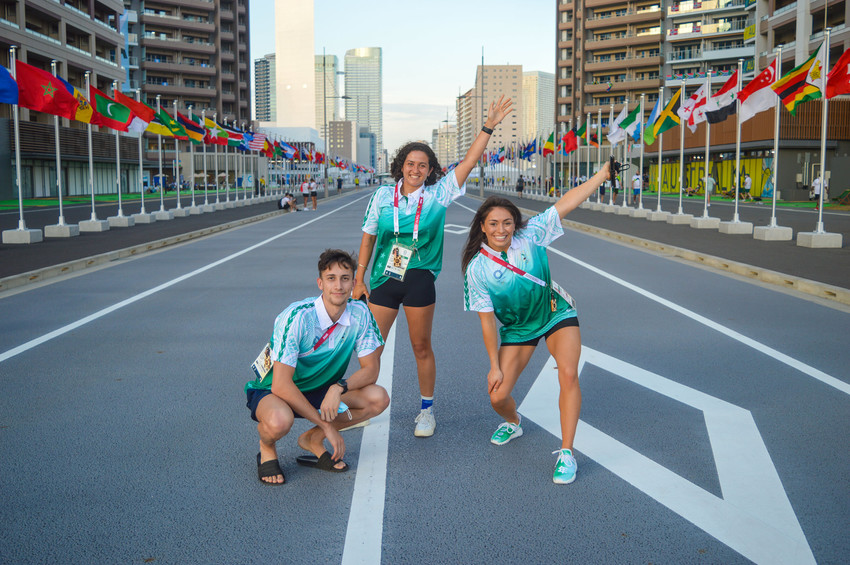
{"x":806,"y":286}
{"x":46,"y":273}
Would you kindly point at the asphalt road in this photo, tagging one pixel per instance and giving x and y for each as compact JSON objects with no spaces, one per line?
{"x":713,"y":421}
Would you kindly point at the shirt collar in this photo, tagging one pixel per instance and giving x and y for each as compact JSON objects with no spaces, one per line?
{"x":413,"y":196}
{"x":324,"y":318}
{"x":513,"y":246}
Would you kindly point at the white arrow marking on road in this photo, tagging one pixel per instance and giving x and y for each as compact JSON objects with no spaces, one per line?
{"x":754,"y":517}
{"x":366,"y":517}
{"x":455,"y":229}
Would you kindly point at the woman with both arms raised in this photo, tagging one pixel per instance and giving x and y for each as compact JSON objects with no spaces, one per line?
{"x":506,"y":278}
{"x":405,"y":220}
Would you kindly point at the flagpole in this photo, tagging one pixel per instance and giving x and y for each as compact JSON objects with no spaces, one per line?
{"x":738,"y":141}
{"x":177,"y":163}
{"x":118,"y":166}
{"x":598,"y":146}
{"x":192,"y":167}
{"x":206,"y":184}
{"x":227,"y":172}
{"x":660,"y":145}
{"x":587,"y":144}
{"x":611,"y":144}
{"x":163,"y":214}
{"x":625,"y":156}
{"x":707,"y":142}
{"x":141,"y":159}
{"x":819,"y":229}
{"x":60,"y":229}
{"x":92,"y":225}
{"x":218,"y":204}
{"x":22,"y":234}
{"x":681,"y":150}
{"x":642,"y":133}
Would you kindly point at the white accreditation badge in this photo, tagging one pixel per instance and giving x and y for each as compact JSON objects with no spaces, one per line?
{"x":397,"y":261}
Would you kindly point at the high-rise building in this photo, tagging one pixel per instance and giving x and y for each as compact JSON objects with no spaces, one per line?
{"x":364,"y":89}
{"x":538,"y":104}
{"x":444,"y":143}
{"x":265,"y":98}
{"x":491,"y":82}
{"x":343,"y":138}
{"x":327,"y":91}
{"x":366,"y":148}
{"x":295,"y":64}
{"x":195,"y":53}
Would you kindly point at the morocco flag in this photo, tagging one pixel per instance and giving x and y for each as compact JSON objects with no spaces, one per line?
{"x":838,"y":79}
{"x":113,"y":115}
{"x":40,"y":90}
{"x":569,"y":141}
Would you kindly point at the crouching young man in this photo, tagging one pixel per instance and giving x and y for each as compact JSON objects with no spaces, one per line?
{"x":311,"y":346}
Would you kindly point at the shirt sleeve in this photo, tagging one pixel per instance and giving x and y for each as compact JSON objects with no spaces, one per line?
{"x":475,"y":295}
{"x":368,"y":335}
{"x":285,"y":339}
{"x":447,"y":191}
{"x":373,"y":212}
{"x":544,"y":228}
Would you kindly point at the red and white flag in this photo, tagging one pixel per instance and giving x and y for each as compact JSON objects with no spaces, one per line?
{"x":838,"y":79}
{"x":757,"y":96}
{"x":686,"y":110}
{"x":258,"y":142}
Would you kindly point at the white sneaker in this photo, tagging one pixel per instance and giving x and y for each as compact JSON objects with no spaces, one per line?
{"x":425,"y":423}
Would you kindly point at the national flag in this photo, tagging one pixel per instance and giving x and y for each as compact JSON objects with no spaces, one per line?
{"x":549,"y":146}
{"x":630,"y":125}
{"x":234,"y":135}
{"x":144,"y":114}
{"x":112,"y":114}
{"x":40,"y":90}
{"x":288,"y":151}
{"x":724,"y":103}
{"x":838,"y":80}
{"x":158,"y":127}
{"x":649,"y":129}
{"x":802,"y":83}
{"x":8,"y":87}
{"x":569,"y":142}
{"x":84,"y":113}
{"x":686,"y":111}
{"x":581,"y":132}
{"x":214,"y":134}
{"x":669,"y":116}
{"x":258,"y":143}
{"x":757,"y":96}
{"x":615,"y":133}
{"x":194,"y":130}
{"x":530,"y":149}
{"x":177,"y":131}
{"x":594,"y":140}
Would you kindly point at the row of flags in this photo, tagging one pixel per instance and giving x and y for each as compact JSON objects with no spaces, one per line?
{"x":803,"y":83}
{"x":40,"y":90}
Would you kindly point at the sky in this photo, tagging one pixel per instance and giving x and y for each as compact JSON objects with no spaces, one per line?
{"x":430,"y":49}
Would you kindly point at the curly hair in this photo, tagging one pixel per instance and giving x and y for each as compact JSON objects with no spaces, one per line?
{"x":476,"y":235}
{"x":397,"y":167}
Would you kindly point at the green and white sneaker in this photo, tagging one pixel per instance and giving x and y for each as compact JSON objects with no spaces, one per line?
{"x":506,"y":432}
{"x":565,"y":468}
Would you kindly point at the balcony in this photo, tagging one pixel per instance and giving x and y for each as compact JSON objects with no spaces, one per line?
{"x":227,"y":55}
{"x":596,"y":64}
{"x":162,"y":41}
{"x":226,"y":15}
{"x":623,"y":41}
{"x":730,"y":53}
{"x":175,"y":22}
{"x":629,"y":17}
{"x":630,"y":83}
{"x":200,"y":4}
{"x":696,"y":7}
{"x":180,"y":67}
{"x":180,"y":90}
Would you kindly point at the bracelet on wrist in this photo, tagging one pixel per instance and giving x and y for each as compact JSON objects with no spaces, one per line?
{"x":487,"y":130}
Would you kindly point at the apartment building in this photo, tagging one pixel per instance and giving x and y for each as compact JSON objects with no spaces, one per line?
{"x":491,"y":82}
{"x":444,"y":143}
{"x":265,"y":94}
{"x":343,"y":138}
{"x":327,"y":91}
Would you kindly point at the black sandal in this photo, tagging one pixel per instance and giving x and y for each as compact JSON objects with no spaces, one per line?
{"x":268,"y":469}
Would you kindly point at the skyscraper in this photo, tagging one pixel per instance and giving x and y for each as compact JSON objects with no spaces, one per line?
{"x":265,"y":104}
{"x":327,"y":91}
{"x":491,"y":81}
{"x":363,"y":86}
{"x":295,"y":65}
{"x":538,"y":104}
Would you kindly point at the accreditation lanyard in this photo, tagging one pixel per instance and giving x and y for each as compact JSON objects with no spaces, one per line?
{"x":325,"y":336}
{"x":418,"y":211}
{"x":507,"y":265}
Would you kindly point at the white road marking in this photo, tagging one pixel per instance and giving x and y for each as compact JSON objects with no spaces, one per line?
{"x":108,"y":310}
{"x":726,"y":331}
{"x":754,"y":516}
{"x":366,"y":517}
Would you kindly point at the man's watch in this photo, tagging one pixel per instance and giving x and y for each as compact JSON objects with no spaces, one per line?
{"x":344,"y":384}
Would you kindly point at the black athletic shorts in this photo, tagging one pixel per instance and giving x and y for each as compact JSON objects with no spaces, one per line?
{"x":313,"y":193}
{"x":569,"y":322}
{"x":417,"y":290}
{"x":314,"y":397}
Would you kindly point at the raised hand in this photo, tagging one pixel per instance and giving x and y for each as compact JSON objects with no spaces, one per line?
{"x":498,"y":111}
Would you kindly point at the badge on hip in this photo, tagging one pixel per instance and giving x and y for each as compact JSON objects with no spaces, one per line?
{"x":563,"y":294}
{"x":397,"y":261}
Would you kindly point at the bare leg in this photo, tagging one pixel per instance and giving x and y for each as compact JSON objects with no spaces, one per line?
{"x":512,"y":361}
{"x":385,"y":317}
{"x":565,"y":347}
{"x":420,"y":321}
{"x":275,"y":420}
